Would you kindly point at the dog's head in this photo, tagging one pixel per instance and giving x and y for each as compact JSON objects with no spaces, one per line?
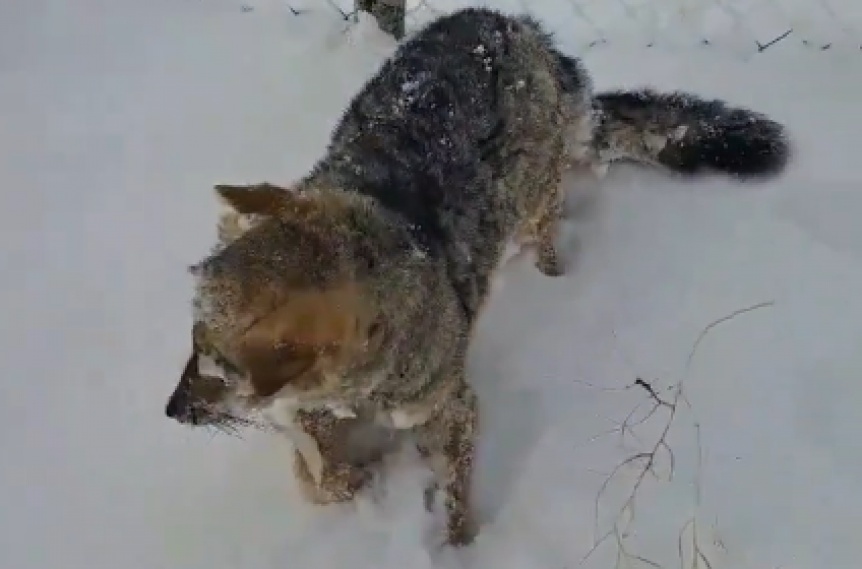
{"x":281,"y":311}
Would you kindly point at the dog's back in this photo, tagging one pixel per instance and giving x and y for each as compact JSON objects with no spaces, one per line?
{"x":461,"y":132}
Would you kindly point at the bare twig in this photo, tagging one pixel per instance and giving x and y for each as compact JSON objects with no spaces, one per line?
{"x":697,"y":554}
{"x":345,"y":15}
{"x":698,"y":557}
{"x":709,"y":327}
{"x":648,"y":459}
{"x":763,"y":47}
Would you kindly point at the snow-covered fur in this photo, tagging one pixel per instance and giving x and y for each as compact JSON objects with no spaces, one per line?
{"x":352,"y":295}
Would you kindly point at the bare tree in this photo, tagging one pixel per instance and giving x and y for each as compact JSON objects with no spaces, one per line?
{"x":389,"y":14}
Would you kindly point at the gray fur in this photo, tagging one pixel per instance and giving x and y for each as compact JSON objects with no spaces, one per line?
{"x":453,"y":148}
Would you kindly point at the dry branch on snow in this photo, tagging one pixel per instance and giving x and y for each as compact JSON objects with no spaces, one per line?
{"x":691,"y":553}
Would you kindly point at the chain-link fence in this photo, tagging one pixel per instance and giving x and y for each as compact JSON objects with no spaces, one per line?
{"x":747,"y":26}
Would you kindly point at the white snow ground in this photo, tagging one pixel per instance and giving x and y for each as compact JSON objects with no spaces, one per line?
{"x":118,"y":117}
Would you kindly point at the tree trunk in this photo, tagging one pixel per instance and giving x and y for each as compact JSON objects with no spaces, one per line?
{"x":389,"y":14}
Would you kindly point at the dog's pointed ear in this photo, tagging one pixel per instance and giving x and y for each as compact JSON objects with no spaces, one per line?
{"x":260,"y":199}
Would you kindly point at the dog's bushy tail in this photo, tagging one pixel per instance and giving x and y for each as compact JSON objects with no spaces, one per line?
{"x":688,"y":134}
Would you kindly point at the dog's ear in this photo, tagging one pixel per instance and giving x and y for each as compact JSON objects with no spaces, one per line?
{"x":260,"y":199}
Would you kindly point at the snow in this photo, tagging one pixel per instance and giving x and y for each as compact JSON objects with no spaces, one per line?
{"x":119,"y":117}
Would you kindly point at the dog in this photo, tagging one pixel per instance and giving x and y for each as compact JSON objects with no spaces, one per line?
{"x":350,"y":297}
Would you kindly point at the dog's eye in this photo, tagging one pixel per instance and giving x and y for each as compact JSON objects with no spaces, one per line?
{"x":231,"y":371}
{"x":208,"y":366}
{"x":212,"y":365}
{"x":210,"y":360}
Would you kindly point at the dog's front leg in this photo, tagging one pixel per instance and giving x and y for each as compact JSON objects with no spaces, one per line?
{"x":320,"y":460}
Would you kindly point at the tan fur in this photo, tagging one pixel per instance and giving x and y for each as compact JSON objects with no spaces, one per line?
{"x":309,"y":337}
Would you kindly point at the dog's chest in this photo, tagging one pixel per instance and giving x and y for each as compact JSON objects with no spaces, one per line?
{"x":281,"y":413}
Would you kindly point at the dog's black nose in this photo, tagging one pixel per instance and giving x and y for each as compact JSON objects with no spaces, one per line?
{"x":174,"y":408}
